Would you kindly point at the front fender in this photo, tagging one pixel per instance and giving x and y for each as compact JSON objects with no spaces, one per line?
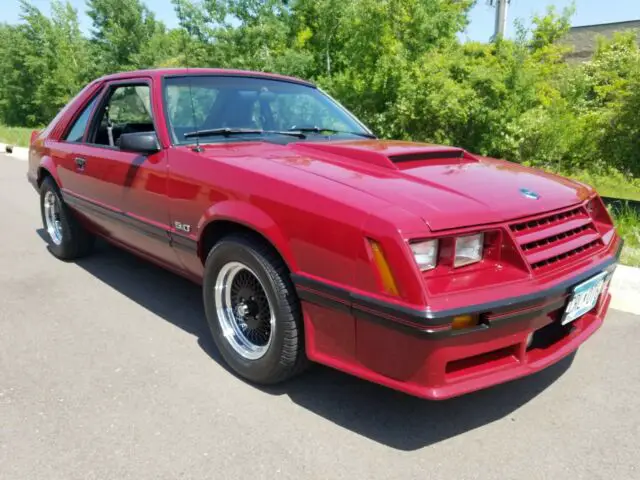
{"x":253,"y":218}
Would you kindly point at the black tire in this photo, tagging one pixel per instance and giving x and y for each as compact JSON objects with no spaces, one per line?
{"x":76,"y":241}
{"x":285,"y":355}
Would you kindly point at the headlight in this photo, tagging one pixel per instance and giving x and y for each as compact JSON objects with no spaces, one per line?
{"x":426,"y":254}
{"x":468,"y":249}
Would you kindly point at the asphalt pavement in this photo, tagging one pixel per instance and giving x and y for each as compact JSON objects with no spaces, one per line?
{"x":107,"y":371}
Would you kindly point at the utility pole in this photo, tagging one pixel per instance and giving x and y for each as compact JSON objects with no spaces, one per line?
{"x":501,"y":17}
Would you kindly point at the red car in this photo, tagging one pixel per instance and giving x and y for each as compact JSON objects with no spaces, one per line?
{"x":421,"y":267}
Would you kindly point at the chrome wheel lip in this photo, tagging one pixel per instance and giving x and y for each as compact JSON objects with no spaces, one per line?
{"x":228,"y":313}
{"x":52,"y":217}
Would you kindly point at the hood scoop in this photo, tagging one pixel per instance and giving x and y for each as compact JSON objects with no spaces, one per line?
{"x":393,"y":156}
{"x":429,"y":155}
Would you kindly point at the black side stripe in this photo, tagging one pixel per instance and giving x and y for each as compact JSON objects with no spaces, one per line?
{"x":331,"y":296}
{"x":145,"y":228}
{"x":184,"y":243}
{"x":140,"y":226}
{"x":82,"y":204}
{"x":323,"y":299}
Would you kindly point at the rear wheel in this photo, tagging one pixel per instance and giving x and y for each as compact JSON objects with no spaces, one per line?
{"x":67,"y":238}
{"x":253,"y":311}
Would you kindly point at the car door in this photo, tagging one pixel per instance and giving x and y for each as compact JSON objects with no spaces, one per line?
{"x":76,"y":178}
{"x":121,"y":193}
{"x":132,"y":186}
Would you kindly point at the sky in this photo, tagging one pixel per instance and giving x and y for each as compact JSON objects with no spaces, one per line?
{"x":482,"y":17}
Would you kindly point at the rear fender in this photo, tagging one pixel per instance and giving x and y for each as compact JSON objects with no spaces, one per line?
{"x":47,"y":166}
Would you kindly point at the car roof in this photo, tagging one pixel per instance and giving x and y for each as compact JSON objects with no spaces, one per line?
{"x":179,"y":72}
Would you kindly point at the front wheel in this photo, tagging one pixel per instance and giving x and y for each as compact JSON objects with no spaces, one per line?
{"x":253,"y":311}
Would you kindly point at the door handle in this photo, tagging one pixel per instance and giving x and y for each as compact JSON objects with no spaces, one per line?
{"x":80,"y":163}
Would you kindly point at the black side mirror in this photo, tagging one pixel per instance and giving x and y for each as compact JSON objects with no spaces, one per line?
{"x":141,"y":142}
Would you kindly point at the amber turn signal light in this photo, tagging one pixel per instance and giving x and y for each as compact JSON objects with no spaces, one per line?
{"x":388,"y":282}
{"x":464,"y":321}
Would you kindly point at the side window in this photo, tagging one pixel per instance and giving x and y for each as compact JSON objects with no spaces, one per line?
{"x":128,"y":110}
{"x":79,"y":126}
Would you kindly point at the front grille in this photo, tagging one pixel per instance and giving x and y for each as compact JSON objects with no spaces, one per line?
{"x":557,"y":239}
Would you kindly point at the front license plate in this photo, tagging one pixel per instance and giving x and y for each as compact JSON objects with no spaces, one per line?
{"x":584,"y":297}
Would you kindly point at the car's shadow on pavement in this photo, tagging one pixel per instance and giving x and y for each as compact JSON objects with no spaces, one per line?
{"x":378,"y":413}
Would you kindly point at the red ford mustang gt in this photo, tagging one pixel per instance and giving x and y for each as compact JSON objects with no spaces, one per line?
{"x":421,"y":267}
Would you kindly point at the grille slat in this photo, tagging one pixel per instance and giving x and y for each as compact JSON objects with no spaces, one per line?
{"x":561,"y":248}
{"x":546,"y":232}
{"x":557,"y":239}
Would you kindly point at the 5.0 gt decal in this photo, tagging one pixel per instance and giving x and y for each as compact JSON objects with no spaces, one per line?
{"x":184,"y":227}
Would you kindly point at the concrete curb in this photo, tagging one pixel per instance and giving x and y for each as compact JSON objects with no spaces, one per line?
{"x":625,"y":289}
{"x":18,"y":152}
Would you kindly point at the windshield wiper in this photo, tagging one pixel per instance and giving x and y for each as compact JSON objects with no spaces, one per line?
{"x":227,"y":132}
{"x":332,"y":131}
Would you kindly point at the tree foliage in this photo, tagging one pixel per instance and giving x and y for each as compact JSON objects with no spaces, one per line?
{"x":398,"y":64}
{"x":43,"y":62}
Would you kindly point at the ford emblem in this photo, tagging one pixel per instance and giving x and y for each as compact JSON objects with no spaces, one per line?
{"x":526,"y":193}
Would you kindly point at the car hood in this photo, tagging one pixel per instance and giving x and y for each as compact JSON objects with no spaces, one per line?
{"x":447,"y":187}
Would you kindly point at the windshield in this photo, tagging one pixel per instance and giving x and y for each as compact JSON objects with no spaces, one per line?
{"x":211,"y":103}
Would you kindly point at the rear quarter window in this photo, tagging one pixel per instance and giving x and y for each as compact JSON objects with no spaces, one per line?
{"x":79,"y":126}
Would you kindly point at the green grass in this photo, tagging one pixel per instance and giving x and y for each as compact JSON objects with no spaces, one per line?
{"x":612,"y":184}
{"x":16,"y":136}
{"x":615,"y":184}
{"x":627,"y":223}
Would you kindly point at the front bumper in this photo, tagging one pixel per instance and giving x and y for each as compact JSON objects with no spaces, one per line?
{"x":449,"y":367}
{"x":390,"y":347}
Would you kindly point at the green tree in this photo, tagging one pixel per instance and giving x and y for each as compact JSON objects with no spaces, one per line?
{"x":381,"y":42}
{"x":43,"y":63}
{"x":17,"y":86}
{"x":398,"y":64}
{"x":123,"y":34}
